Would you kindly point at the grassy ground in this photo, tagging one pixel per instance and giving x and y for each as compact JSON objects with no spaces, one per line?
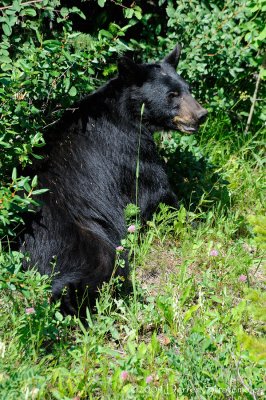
{"x":193,"y":327}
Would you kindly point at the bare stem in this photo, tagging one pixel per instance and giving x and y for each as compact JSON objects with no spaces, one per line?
{"x":252,"y":394}
{"x":23,"y":4}
{"x":253,"y":101}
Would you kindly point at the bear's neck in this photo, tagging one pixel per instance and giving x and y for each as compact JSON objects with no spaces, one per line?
{"x":112,"y":101}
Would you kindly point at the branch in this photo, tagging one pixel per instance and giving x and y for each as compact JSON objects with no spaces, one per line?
{"x":253,"y":101}
{"x":241,"y":380}
{"x":22,"y":4}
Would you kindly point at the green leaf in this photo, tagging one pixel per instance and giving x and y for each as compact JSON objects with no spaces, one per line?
{"x":59,"y":316}
{"x":129,"y":12}
{"x":72,"y":91}
{"x":39,"y":191}
{"x":67,"y":84}
{"x":217,"y":299}
{"x":34,"y":181}
{"x":14,"y":174}
{"x":64,"y":12}
{"x":76,"y":10}
{"x":52,"y":44}
{"x":29,"y":11}
{"x":12,"y":20}
{"x":105,"y":33}
{"x":5,"y":59}
{"x":38,"y":34}
{"x":131,"y":347}
{"x":189,"y":313}
{"x":16,"y":5}
{"x":138,"y":15}
{"x":262,"y":35}
{"x":7,"y":30}
{"x":26,"y":187}
{"x":101,"y":3}
{"x":142,"y":349}
{"x":138,"y":12}
{"x":263,"y":73}
{"x":182,"y":214}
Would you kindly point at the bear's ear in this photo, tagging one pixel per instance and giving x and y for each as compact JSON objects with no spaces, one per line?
{"x":127,"y":68}
{"x":173,"y":57}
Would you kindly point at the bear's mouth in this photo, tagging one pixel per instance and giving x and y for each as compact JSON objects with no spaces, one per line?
{"x":188,"y":128}
{"x":185,"y":125}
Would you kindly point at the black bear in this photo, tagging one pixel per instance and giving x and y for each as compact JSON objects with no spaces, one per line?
{"x":90,"y":170}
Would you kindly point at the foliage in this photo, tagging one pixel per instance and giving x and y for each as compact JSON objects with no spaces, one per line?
{"x":259,"y":226}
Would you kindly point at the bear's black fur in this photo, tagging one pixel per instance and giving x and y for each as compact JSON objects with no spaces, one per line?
{"x":90,"y":170}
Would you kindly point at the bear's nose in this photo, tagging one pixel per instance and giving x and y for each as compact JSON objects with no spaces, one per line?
{"x":202,"y":115}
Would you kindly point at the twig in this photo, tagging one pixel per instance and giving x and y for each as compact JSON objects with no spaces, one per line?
{"x":54,"y":83}
{"x":259,"y":263}
{"x":121,"y":5}
{"x":52,"y":123}
{"x":22,"y":4}
{"x":253,"y":101}
{"x":251,"y":392}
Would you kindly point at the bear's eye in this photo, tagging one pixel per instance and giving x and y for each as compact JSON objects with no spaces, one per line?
{"x":172,"y":95}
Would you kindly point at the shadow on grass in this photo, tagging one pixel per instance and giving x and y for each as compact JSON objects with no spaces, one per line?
{"x":195,"y":180}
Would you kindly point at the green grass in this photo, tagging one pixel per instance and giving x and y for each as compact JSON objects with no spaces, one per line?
{"x":194,"y":327}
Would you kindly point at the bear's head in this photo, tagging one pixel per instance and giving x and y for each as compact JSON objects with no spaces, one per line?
{"x":168,"y":103}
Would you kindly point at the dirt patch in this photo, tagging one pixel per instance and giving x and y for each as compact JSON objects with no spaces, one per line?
{"x":161,"y":261}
